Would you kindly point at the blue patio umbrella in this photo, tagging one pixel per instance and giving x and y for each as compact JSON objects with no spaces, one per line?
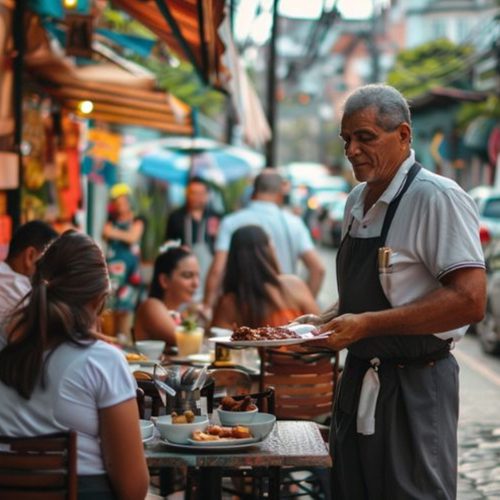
{"x":219,"y":165}
{"x":167,"y":166}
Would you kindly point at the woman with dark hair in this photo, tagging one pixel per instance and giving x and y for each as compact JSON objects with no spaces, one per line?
{"x":56,"y":375}
{"x":176,"y":277}
{"x":254,"y":292}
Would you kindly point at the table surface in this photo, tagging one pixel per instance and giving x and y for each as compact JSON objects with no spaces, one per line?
{"x":291,"y":443}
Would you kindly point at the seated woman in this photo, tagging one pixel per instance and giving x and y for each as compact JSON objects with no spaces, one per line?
{"x":254,"y":292}
{"x":69,"y":379}
{"x":176,"y":277}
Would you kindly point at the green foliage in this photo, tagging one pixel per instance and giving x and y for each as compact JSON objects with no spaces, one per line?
{"x":152,"y":200}
{"x":432,"y":64}
{"x":233,"y":194}
{"x":190,"y":322}
{"x":121,"y":22}
{"x":185,"y":84}
{"x":470,"y":110}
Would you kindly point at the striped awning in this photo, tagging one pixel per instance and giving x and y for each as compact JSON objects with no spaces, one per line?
{"x":119,"y":96}
{"x":189,"y":28}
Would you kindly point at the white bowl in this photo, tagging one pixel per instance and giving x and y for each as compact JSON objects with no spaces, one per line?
{"x":261,"y":425}
{"x":220,"y":332}
{"x":153,"y":349}
{"x":147,"y":429}
{"x":180,"y":433}
{"x":230,"y":418}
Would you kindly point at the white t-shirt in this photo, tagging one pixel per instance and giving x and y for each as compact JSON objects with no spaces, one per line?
{"x":435,"y":231}
{"x":13,"y":287}
{"x":79,"y":382}
{"x":287,"y":232}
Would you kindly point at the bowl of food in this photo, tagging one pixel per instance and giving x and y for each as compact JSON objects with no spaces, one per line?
{"x":179,"y":428}
{"x":235,"y":412}
{"x":147,"y":429}
{"x":261,"y":425}
{"x":153,"y":349}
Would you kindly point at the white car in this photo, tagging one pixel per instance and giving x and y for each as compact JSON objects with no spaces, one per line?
{"x":488,"y":330}
{"x":488,"y":203}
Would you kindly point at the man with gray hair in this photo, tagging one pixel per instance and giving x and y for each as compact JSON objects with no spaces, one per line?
{"x":410,"y":273}
{"x":288,"y":234}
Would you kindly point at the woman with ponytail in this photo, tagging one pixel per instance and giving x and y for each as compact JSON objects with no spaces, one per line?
{"x":56,"y":375}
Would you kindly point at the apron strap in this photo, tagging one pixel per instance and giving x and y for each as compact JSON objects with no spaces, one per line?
{"x":189,"y":229}
{"x":391,"y":211}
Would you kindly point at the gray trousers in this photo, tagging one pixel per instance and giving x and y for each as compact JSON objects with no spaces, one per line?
{"x":413,"y":453}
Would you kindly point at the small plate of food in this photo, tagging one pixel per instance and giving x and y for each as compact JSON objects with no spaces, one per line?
{"x":217,"y":437}
{"x":270,"y":336}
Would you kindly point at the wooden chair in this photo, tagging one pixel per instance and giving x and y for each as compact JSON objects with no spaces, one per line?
{"x":38,"y":468}
{"x":305,"y":385}
{"x":148,"y":398}
{"x":230,"y":382}
{"x":304,"y":382}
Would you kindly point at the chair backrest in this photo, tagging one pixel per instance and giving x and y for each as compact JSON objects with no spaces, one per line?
{"x":38,"y":468}
{"x":304,"y":382}
{"x":230,"y":382}
{"x":150,"y":399}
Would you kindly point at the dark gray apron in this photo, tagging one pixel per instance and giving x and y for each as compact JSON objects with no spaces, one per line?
{"x":412,"y":454}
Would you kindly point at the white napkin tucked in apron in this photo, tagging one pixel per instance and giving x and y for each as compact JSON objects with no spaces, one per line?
{"x":365,"y":421}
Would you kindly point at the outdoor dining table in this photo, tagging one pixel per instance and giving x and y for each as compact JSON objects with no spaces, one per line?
{"x":290,"y":444}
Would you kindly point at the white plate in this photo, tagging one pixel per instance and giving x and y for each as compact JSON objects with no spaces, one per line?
{"x":229,"y":445}
{"x":225,"y":442}
{"x":258,"y":343}
{"x":220,"y":332}
{"x":305,"y":332}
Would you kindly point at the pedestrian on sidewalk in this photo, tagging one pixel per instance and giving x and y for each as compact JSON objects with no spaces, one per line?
{"x":288,"y":234}
{"x":122,"y":233}
{"x":196,"y":225}
{"x":411,"y":276}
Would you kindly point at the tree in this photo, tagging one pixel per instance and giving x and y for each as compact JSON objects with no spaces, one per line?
{"x":433,"y":64}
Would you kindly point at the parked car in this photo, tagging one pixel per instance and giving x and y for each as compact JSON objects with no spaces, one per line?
{"x":320,"y":194}
{"x":330,"y":221}
{"x":488,"y":203}
{"x":488,"y":330}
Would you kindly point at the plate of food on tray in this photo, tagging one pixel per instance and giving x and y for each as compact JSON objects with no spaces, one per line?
{"x":270,"y":336}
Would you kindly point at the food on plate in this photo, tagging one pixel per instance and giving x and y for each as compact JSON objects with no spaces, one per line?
{"x":230,"y":404}
{"x":133,"y":356}
{"x":263,"y":333}
{"x":217,"y":432}
{"x":186,"y":418}
{"x":203,"y":436}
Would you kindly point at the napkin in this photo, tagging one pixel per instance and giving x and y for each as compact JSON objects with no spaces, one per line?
{"x":365,"y":421}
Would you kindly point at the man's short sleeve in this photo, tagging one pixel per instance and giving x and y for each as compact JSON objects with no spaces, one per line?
{"x":304,"y":241}
{"x":224,"y":235}
{"x":448,"y":236}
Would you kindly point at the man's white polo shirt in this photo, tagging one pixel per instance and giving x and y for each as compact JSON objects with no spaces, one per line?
{"x":435,"y":230}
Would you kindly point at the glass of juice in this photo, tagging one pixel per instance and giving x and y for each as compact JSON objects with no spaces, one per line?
{"x":188,"y":341}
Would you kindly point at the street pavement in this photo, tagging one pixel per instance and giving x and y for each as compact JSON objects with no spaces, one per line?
{"x":479,"y":423}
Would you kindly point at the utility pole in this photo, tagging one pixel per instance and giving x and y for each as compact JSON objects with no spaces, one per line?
{"x":271,"y":90}
{"x":230,"y":121}
{"x":14,"y":195}
{"x":373,"y":46}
